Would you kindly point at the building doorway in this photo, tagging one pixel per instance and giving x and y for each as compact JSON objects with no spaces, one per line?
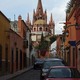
{"x":0,"y":59}
{"x":12,"y":61}
{"x":20,"y":59}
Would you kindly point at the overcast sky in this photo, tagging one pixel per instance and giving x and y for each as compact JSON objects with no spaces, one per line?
{"x":22,"y":7}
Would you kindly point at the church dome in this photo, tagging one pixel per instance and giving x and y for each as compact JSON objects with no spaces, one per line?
{"x":40,"y":22}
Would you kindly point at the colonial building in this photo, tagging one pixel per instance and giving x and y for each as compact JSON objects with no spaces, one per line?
{"x":59,"y":46}
{"x":39,"y":24}
{"x":4,"y":44}
{"x":77,"y":17}
{"x":72,"y":33}
{"x":14,"y":45}
{"x":20,"y":44}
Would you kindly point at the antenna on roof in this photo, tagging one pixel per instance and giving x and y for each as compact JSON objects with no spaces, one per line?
{"x":14,"y":17}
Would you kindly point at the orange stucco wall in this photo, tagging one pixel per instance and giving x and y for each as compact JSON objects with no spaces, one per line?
{"x":4,"y":27}
{"x":4,"y":41}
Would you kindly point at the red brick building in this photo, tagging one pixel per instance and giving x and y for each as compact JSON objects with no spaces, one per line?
{"x":16,"y":49}
{"x":18,"y":46}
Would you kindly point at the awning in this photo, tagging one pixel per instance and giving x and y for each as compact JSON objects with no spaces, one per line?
{"x":72,"y":43}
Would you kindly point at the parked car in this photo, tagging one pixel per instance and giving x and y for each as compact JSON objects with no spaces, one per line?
{"x":62,"y":73}
{"x":38,"y":64}
{"x":48,"y":63}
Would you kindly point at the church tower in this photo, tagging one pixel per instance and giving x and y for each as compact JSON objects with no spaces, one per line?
{"x":39,"y":23}
{"x":39,"y":14}
{"x":28,"y":22}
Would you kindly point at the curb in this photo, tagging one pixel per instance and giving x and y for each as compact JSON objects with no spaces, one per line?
{"x":6,"y":77}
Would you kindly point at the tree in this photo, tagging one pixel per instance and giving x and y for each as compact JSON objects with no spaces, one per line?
{"x":43,"y":46}
{"x":69,"y":5}
{"x":52,"y":39}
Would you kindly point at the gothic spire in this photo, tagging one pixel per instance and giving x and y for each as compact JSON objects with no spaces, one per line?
{"x":28,"y":17}
{"x":39,"y":7}
{"x":28,"y":20}
{"x":51,"y":20}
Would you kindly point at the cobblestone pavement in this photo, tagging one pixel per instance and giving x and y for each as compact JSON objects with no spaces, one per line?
{"x":29,"y":75}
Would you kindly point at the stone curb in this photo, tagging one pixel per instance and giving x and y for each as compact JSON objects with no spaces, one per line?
{"x":6,"y":77}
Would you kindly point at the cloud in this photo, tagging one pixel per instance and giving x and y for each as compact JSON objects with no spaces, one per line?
{"x":17,"y":7}
{"x":22,"y":7}
{"x":58,"y":16}
{"x":15,"y":3}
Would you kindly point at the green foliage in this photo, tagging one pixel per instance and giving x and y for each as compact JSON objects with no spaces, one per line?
{"x":52,"y":39}
{"x":42,"y":37}
{"x":64,"y":27}
{"x":69,"y":5}
{"x":43,"y":45}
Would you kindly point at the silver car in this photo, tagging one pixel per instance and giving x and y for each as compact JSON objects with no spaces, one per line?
{"x":48,"y":63}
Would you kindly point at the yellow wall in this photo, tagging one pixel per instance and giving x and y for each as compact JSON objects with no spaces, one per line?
{"x":4,"y":39}
{"x":71,"y":29}
{"x":71,"y":37}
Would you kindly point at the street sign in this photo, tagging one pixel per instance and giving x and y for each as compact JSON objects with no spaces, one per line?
{"x":67,"y":22}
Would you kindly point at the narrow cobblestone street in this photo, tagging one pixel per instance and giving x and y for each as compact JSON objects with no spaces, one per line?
{"x":29,"y":75}
{"x":39,"y":34}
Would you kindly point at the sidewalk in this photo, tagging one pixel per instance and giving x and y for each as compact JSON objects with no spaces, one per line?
{"x":6,"y":77}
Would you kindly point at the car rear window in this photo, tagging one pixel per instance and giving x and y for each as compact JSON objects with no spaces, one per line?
{"x":48,"y":64}
{"x":60,"y":73}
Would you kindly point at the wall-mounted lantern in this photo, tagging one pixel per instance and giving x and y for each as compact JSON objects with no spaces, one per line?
{"x":77,"y":25}
{"x":67,"y":33}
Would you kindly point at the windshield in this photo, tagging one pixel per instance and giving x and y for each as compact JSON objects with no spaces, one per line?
{"x":60,"y":73}
{"x":48,"y":64}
